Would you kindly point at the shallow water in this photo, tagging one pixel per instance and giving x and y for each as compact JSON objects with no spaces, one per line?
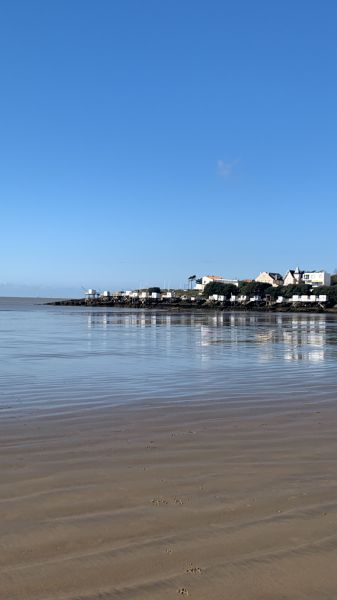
{"x":57,"y":358}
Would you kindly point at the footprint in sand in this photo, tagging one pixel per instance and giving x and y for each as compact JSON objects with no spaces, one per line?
{"x":178,"y":501}
{"x":193,"y":570}
{"x":151,"y":446}
{"x":183,"y":591}
{"x":158,"y":501}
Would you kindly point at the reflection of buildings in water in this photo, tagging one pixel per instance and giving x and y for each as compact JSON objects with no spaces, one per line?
{"x":316,"y":355}
{"x":205,"y":335}
{"x":266,"y":336}
{"x":242,"y":319}
{"x":310,"y":356}
{"x":295,"y":337}
{"x":216,"y":334}
{"x":299,"y":337}
{"x":217,"y":320}
{"x":306,"y":338}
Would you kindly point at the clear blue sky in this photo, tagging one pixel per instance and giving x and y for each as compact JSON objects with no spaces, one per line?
{"x":142,"y":142}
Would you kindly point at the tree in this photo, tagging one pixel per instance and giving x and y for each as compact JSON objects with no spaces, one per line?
{"x":254,"y":288}
{"x":274,"y":292}
{"x":191,"y":279}
{"x":156,"y":290}
{"x":223,"y":289}
{"x":297,"y":288}
{"x":330,"y":291}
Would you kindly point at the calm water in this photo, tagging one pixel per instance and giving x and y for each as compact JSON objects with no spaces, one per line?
{"x":53,"y":358}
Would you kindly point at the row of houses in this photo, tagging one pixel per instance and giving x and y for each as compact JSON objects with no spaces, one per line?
{"x":292,"y":277}
{"x":295,"y":277}
{"x":296,"y":298}
{"x":92,"y":294}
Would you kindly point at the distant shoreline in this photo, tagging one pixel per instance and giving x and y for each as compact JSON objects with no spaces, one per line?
{"x":150,"y":304}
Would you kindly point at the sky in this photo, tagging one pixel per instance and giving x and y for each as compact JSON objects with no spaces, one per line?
{"x":143,"y":142}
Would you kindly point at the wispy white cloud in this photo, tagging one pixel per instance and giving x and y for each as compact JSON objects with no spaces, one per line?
{"x":225,"y":169}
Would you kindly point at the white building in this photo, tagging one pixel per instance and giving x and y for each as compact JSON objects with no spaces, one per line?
{"x":217,"y":298}
{"x":316,"y":278}
{"x":215,"y":279}
{"x":293,"y":277}
{"x":91,"y":294}
{"x":241,"y":298}
{"x":308,"y":298}
{"x":274,"y":279}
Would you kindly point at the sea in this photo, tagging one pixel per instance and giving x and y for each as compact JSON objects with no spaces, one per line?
{"x":56,"y":359}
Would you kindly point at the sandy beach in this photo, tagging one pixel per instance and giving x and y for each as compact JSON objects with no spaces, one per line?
{"x":161,"y":501}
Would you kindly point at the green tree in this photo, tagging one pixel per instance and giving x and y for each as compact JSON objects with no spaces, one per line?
{"x":223,"y":289}
{"x":254,"y":288}
{"x":299,"y":288}
{"x":274,"y":292}
{"x":330,"y":291}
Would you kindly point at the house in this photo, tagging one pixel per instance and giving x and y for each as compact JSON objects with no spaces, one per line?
{"x":91,"y":294}
{"x":214,"y":279}
{"x":293,"y":277}
{"x":217,"y":298}
{"x":316,"y":278}
{"x":274,"y":279}
{"x":308,"y":298}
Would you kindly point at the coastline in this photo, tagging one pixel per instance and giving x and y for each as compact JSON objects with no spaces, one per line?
{"x":150,"y":304}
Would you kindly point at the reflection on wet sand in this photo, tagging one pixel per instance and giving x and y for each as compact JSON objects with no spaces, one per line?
{"x":152,"y":455}
{"x":293,"y":337}
{"x":60,"y":358}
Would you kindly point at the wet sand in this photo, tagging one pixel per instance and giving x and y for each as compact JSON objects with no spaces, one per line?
{"x":163,"y":501}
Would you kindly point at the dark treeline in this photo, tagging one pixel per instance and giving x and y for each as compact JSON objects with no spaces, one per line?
{"x":264,"y":289}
